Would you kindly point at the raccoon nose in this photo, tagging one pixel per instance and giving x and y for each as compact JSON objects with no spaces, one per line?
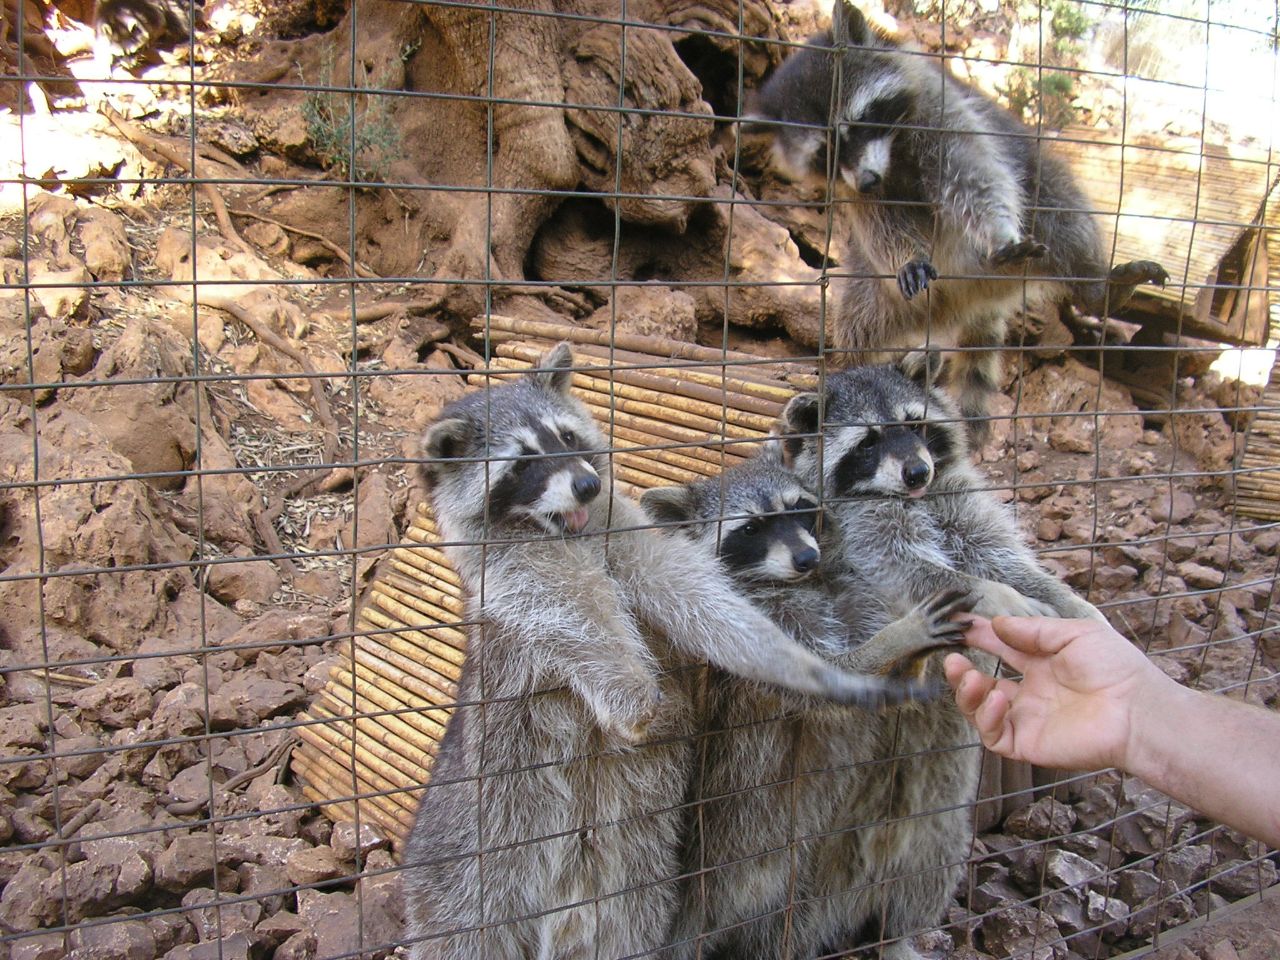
{"x":915,"y":474}
{"x":586,"y":486}
{"x":868,"y":180}
{"x":804,"y":560}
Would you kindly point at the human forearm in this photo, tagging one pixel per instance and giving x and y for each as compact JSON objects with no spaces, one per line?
{"x":1217,"y":755}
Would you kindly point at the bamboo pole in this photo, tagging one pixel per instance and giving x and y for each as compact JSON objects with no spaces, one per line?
{"x":429,"y":684}
{"x":658,"y":346}
{"x":374,"y":737}
{"x":394,"y":819}
{"x":378,"y":661}
{"x":447,"y":636}
{"x":412,"y":743}
{"x":386,"y":695}
{"x":672,"y":383}
{"x":376,"y":776}
{"x":752,"y":379}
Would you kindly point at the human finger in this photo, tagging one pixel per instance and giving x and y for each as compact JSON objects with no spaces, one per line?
{"x":971,"y":690}
{"x":981,"y":635}
{"x":955,"y":666}
{"x":989,"y":720}
{"x":1039,"y":636}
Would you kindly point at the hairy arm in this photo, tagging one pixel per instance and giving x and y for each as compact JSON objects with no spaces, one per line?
{"x":1089,"y":699}
{"x":579,"y":634}
{"x":685,"y":596}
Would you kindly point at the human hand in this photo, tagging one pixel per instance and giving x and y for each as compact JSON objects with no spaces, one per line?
{"x":1083,"y":690}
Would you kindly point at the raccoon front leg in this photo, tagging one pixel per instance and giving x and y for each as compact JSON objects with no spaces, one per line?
{"x":686,"y":597}
{"x":1102,"y":298}
{"x":975,"y":373}
{"x":593,"y":646}
{"x":900,"y":648}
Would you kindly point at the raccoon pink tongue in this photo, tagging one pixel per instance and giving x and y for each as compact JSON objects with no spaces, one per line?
{"x":575,"y":520}
{"x":917,"y":493}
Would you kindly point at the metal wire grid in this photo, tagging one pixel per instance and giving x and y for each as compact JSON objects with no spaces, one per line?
{"x":72,"y":817}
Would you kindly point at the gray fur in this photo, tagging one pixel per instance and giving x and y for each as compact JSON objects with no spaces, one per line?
{"x":774,"y":771}
{"x":551,"y":823}
{"x":973,"y":206}
{"x":898,"y":865}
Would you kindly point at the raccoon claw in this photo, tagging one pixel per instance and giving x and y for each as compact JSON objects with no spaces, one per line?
{"x":915,"y":276}
{"x":1017,"y":251}
{"x":1139,"y":271}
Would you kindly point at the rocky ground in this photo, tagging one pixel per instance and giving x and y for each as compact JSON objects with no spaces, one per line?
{"x":227,"y":460}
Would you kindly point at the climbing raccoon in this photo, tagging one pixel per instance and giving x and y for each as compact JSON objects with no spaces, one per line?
{"x":891,"y":457}
{"x":953,"y":195}
{"x":774,"y":771}
{"x":551,"y":824}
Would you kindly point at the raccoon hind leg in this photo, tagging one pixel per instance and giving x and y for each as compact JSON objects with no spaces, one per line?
{"x":974,"y":373}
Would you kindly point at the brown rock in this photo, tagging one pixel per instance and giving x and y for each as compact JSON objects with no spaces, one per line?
{"x":114,"y":703}
{"x":300,"y":946}
{"x":214,"y":921}
{"x":1048,"y":529}
{"x":1198,"y":576}
{"x":254,"y":580}
{"x":122,"y":940}
{"x":253,"y":698}
{"x":1045,"y":818}
{"x":1172,"y":506}
{"x":261,"y":881}
{"x":43,"y":946}
{"x":190,"y":860}
{"x":1022,"y":932}
{"x":314,"y":865}
{"x":346,"y":845}
{"x":106,"y":245}
{"x":238,"y":946}
{"x":1238,"y":878}
{"x":1073,"y":388}
{"x":1070,"y":870}
{"x":23,"y":905}
{"x":61,"y":294}
{"x":333,"y":917}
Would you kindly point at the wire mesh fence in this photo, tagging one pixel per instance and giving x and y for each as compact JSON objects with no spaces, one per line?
{"x":250,"y":255}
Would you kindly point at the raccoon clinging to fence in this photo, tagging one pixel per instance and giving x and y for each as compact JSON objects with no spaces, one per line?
{"x":890,"y":456}
{"x":953,"y":196}
{"x":551,"y":823}
{"x":774,"y":771}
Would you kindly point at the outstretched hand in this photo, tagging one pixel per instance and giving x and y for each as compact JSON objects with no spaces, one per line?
{"x":1082,"y":687}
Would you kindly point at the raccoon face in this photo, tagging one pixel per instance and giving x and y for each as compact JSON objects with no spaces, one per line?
{"x":524,"y":452}
{"x":866,"y":135}
{"x":882,"y":434}
{"x":757,"y":518}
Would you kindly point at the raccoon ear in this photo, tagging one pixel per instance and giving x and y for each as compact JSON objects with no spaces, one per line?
{"x":668,"y":504}
{"x":554,"y":371}
{"x":444,"y":440}
{"x":848,"y":25}
{"x":801,"y":414}
{"x":773,"y":449}
{"x":923,"y":366}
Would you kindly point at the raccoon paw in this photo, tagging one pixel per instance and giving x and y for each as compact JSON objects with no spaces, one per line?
{"x":1139,"y":271}
{"x":915,"y":276}
{"x":1017,"y":251}
{"x":939,"y":616}
{"x":1001,"y":600}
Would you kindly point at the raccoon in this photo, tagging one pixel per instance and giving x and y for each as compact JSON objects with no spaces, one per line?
{"x":773,"y":770}
{"x":132,"y":28}
{"x":949,"y":187}
{"x":890,"y":455}
{"x":551,"y":822}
